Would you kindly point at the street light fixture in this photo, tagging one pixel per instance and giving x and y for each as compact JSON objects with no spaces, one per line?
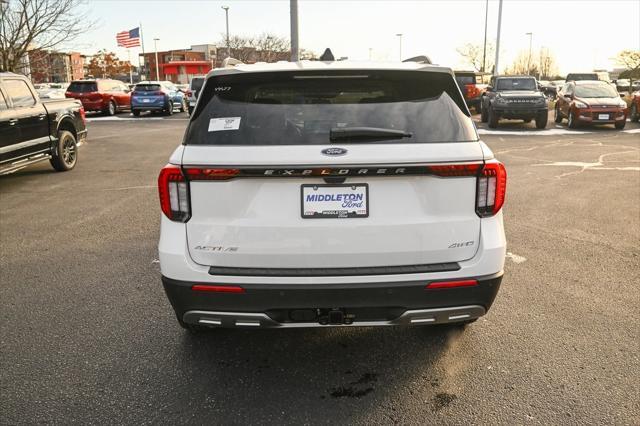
{"x":400,"y":41}
{"x":155,"y":46}
{"x":530,"y":44}
{"x":226,"y":12}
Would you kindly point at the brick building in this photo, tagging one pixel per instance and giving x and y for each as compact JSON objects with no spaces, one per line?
{"x":177,"y":66}
{"x":48,"y":66}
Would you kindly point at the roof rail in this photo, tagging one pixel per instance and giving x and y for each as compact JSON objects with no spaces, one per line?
{"x":231,"y":62}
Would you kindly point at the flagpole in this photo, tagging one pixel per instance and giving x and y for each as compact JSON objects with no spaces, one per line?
{"x":143,"y":57}
{"x":130,"y":67}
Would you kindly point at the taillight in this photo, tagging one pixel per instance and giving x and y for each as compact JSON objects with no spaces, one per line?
{"x":472,"y":90}
{"x":174,"y":193}
{"x":83,"y":115}
{"x":491,"y":189}
{"x":173,"y":187}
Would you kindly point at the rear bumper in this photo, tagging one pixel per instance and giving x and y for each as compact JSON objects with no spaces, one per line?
{"x":370,"y":304}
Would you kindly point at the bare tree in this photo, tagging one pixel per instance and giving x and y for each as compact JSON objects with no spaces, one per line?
{"x":630,"y":59}
{"x":547,"y":65}
{"x":473,"y":55}
{"x":522,"y":65}
{"x":265,"y":47}
{"x":41,"y":24}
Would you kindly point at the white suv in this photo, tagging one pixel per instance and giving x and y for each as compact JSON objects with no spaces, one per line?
{"x":318,"y":194}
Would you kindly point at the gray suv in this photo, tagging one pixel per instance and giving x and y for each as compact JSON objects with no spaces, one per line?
{"x":512,"y":98}
{"x":195,"y":85}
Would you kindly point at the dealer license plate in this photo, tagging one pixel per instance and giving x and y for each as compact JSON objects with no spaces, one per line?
{"x":603,"y":116}
{"x":335,"y":201}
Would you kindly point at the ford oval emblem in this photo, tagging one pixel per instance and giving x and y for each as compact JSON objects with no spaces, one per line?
{"x":334,"y":151}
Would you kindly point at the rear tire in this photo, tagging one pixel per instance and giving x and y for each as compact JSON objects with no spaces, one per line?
{"x":483,"y":114}
{"x":635,"y":114}
{"x":620,"y":125}
{"x":111,"y":109}
{"x":136,"y":113}
{"x":493,"y":119}
{"x":557,"y":116}
{"x":541,"y":120}
{"x":65,"y":154}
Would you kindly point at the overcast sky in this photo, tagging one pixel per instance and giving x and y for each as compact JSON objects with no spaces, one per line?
{"x":582,"y":34}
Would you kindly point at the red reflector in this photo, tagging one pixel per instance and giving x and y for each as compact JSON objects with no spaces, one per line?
{"x":451,"y":284}
{"x":217,"y":288}
{"x":210,"y":174}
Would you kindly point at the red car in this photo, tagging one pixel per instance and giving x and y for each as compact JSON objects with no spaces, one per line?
{"x":590,"y":102}
{"x":635,"y":107}
{"x":107,"y":96}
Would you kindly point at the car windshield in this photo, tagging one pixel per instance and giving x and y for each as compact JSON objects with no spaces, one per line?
{"x":83,"y":87}
{"x":301,"y":108}
{"x":146,"y":88}
{"x":516,"y":84}
{"x":595,"y":91}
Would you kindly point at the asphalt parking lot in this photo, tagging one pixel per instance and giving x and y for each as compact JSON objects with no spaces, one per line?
{"x":87,"y":335}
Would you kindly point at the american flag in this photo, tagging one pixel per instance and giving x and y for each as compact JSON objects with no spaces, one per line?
{"x":129,"y":38}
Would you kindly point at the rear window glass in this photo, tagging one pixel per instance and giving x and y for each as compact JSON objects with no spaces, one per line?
{"x":465,"y":79}
{"x":83,"y":87}
{"x":516,"y":84}
{"x":294,"y":108}
{"x":578,"y":77}
{"x":147,"y":88}
{"x":197,"y":83}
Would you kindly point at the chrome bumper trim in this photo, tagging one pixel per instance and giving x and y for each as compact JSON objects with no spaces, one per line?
{"x":262,"y":320}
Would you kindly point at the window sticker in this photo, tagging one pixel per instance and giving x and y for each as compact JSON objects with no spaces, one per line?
{"x":224,"y":123}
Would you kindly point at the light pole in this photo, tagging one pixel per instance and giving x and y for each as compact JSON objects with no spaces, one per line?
{"x":155,"y":46}
{"x":295,"y":42}
{"x":484,"y":52}
{"x":226,"y":12}
{"x":495,"y":66}
{"x":400,"y":41}
{"x":530,"y":44}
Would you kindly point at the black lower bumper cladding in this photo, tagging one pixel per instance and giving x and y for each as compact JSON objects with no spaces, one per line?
{"x":365,"y":301}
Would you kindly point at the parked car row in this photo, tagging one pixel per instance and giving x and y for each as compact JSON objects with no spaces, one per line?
{"x":581,"y":99}
{"x":113,"y":96}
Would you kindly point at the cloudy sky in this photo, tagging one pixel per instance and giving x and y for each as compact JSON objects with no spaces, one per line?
{"x":582,"y":34}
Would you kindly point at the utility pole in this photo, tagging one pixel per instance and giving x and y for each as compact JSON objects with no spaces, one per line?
{"x":484,"y":52}
{"x":295,"y":46}
{"x":530,"y":44}
{"x":400,"y":40}
{"x":155,"y":46}
{"x":495,"y":68}
{"x":226,"y":12}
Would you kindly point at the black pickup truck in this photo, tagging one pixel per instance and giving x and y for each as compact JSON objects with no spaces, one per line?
{"x":516,"y":97}
{"x":32,"y":131}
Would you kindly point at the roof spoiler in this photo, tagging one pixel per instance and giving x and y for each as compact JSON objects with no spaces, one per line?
{"x":421,"y":59}
{"x":231,"y":62}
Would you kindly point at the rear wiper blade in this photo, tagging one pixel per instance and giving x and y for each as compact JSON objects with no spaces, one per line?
{"x":355,"y":133}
